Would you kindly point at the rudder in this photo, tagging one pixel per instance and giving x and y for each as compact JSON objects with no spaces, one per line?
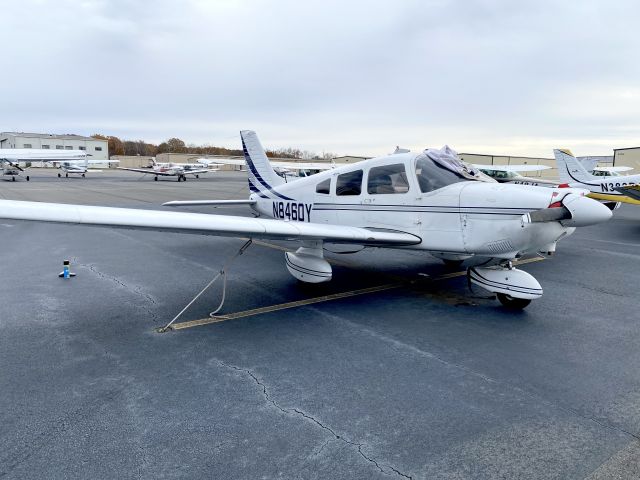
{"x":570,"y":170}
{"x":262,"y":176}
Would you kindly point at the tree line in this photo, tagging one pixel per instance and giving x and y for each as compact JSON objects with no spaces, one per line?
{"x":175,"y":145}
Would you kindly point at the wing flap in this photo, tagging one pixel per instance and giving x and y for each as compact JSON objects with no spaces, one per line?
{"x":199,"y":223}
{"x":214,"y":203}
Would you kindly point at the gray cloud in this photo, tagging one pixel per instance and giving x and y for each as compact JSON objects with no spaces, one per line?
{"x":350,"y":77}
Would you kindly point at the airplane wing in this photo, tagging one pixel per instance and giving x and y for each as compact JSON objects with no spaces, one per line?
{"x":287,"y":165}
{"x":613,"y":169}
{"x":513,"y":168}
{"x":95,"y":162}
{"x":148,"y":170}
{"x":202,"y":170}
{"x":632,"y":191}
{"x":200,"y":223}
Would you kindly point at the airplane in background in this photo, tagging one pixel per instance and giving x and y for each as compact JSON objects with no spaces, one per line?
{"x":429,"y":201}
{"x":287,"y":170}
{"x":618,"y":188}
{"x":12,"y":169}
{"x":511,"y":174}
{"x":79,"y":167}
{"x":180,"y":170}
{"x":11,"y":158}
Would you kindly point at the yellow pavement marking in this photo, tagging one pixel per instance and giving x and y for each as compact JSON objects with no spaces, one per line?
{"x":321,"y":299}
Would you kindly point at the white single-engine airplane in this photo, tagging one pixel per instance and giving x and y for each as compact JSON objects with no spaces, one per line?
{"x":11,"y":157}
{"x":180,"y":170}
{"x":79,"y":167}
{"x":511,"y":174}
{"x":429,"y":201}
{"x":11,"y":169}
{"x":617,"y":188}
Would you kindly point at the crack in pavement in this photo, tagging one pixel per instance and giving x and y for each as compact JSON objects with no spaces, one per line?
{"x":136,"y":290}
{"x":297,"y":412}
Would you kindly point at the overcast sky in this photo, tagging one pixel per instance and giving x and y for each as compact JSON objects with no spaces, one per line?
{"x":492,"y":76}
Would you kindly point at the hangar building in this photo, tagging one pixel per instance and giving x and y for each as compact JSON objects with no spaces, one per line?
{"x":627,"y":157}
{"x":98,"y":149}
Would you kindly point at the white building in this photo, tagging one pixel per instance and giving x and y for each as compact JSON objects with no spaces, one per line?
{"x":98,"y":149}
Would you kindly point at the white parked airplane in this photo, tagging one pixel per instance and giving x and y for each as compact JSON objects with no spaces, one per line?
{"x":618,"y":188}
{"x":11,"y":157}
{"x":11,"y":169}
{"x":428,"y":201}
{"x":511,"y":174}
{"x":79,"y":167}
{"x":180,"y":170}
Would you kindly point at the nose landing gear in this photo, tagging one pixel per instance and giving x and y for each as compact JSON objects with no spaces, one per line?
{"x":514,"y":288}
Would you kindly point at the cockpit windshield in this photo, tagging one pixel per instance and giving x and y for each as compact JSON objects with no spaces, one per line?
{"x":438,"y":168}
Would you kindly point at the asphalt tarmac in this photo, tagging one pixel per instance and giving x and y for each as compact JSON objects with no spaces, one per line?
{"x":393,"y":370}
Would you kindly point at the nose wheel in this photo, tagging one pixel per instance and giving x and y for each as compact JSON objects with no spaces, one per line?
{"x":512,"y":303}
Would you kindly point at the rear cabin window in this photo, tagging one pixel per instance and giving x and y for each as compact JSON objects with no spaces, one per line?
{"x":323,"y":187}
{"x":349,"y":183}
{"x":388,"y":179}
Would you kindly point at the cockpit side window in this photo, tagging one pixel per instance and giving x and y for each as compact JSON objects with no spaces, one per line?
{"x":324,"y":186}
{"x":349,"y":183}
{"x":432,"y":176}
{"x":387,"y":179}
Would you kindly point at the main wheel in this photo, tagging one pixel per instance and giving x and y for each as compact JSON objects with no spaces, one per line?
{"x":197,"y":176}
{"x":59,"y":176}
{"x":184,"y":178}
{"x":27,"y":178}
{"x":155,"y":179}
{"x":66,"y":175}
{"x":513,"y":303}
{"x":13,"y":179}
{"x":83,"y":175}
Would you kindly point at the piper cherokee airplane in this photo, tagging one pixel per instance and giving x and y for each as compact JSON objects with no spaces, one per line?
{"x":618,"y":188}
{"x":429,"y":201}
{"x":180,"y":170}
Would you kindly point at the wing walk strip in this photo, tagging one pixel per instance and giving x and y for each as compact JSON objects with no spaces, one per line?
{"x":321,"y":299}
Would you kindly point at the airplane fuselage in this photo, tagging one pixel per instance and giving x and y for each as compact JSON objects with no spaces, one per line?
{"x":456,"y":221}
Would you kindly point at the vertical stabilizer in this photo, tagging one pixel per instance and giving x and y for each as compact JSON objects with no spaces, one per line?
{"x":262,"y":176}
{"x":570,"y":170}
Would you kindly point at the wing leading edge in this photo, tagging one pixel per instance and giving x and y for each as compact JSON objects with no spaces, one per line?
{"x":199,"y":223}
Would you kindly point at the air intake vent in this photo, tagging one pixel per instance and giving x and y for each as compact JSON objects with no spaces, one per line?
{"x":500,"y":246}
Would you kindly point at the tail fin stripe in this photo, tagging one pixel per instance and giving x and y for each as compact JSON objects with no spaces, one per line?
{"x":257,"y":176}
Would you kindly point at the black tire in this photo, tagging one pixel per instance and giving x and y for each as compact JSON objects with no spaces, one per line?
{"x":83,"y":175}
{"x":155,"y":179}
{"x":513,"y":303}
{"x":59,"y":176}
{"x":28,"y":178}
{"x":13,"y":179}
{"x":66,"y":175}
{"x":184,"y":178}
{"x":197,"y":176}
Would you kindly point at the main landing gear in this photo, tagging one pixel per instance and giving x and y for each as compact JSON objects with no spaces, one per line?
{"x":514,"y":288}
{"x":182,"y":178}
